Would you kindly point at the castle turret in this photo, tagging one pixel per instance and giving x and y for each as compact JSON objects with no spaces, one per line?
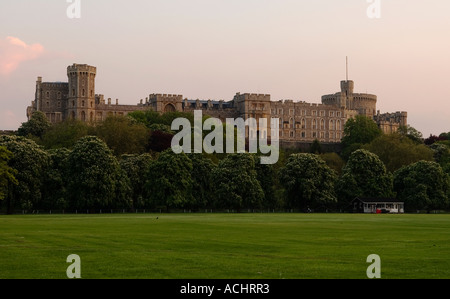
{"x":81,"y":99}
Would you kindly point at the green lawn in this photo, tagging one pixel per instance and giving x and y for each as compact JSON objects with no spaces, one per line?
{"x":225,"y":246}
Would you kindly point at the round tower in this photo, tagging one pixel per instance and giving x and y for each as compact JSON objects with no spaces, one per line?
{"x":81,"y":99}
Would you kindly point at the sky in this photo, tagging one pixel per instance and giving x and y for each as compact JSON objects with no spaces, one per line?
{"x":212,"y":49}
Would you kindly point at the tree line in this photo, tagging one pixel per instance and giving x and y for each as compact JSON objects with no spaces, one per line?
{"x":127,"y":163}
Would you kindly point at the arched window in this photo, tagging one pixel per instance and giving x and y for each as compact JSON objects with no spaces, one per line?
{"x":314,"y":124}
{"x":322,"y":124}
{"x":338,"y":125}
{"x":83,"y":116}
{"x":82,"y":103}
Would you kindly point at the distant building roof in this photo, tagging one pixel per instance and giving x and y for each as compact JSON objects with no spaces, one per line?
{"x":377,"y":200}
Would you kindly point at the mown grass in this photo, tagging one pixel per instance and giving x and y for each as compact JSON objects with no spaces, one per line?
{"x":225,"y":246}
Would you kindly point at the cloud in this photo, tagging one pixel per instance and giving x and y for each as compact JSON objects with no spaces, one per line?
{"x":14,"y":51}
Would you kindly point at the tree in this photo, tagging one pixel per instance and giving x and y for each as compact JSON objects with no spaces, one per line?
{"x":159,"y":141}
{"x":65,"y":134}
{"x":168,"y":180}
{"x":358,"y":131}
{"x":236,"y":183}
{"x":266,"y":175}
{"x":54,"y":190}
{"x":396,"y":150}
{"x":202,"y":182}
{"x":36,"y":126}
{"x":364,"y":175}
{"x":135,"y":167}
{"x":412,"y":133}
{"x":93,"y":175}
{"x":334,"y":161}
{"x":6,"y":173}
{"x":422,"y":185}
{"x":31,"y":162}
{"x":308,"y":181}
{"x":123,"y":135}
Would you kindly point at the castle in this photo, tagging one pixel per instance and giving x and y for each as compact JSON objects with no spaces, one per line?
{"x":299,"y":121}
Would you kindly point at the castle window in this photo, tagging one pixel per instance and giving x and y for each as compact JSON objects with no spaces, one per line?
{"x":73,"y":103}
{"x":332,"y":124}
{"x":92,"y":104}
{"x":83,"y":116}
{"x":322,"y":135}
{"x":322,"y":113}
{"x":303,"y":134}
{"x":82,"y":103}
{"x":48,"y":104}
{"x":280,"y":111}
{"x":331,"y":113}
{"x":338,"y":125}
{"x":47,"y":95}
{"x":59,"y":104}
{"x":92,"y":93}
{"x":314,"y":134}
{"x":314,"y":124}
{"x":59,"y":95}
{"x":292,"y":134}
{"x":303,"y":123}
{"x":338,"y":113}
{"x":322,"y":124}
{"x":83,"y":93}
{"x":314,"y":113}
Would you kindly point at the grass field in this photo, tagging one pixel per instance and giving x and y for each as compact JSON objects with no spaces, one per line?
{"x":225,"y":246}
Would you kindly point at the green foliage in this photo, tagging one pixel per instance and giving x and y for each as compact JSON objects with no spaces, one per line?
{"x":169,"y":181}
{"x":65,"y":134}
{"x":93,"y":175}
{"x":422,"y":185}
{"x":358,"y":131}
{"x":334,"y":161}
{"x":6,"y":173}
{"x":236,"y":183}
{"x":396,"y":151}
{"x":202,"y":182}
{"x":135,"y":166}
{"x":54,"y":189}
{"x":31,"y":162}
{"x":364,"y":175}
{"x":308,"y":181}
{"x":123,"y":135}
{"x":36,"y":126}
{"x":413,"y":134}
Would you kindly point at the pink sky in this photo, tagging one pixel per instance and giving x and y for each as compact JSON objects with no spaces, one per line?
{"x":211,"y":49}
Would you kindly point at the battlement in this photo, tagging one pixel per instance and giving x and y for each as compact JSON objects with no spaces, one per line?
{"x":81,"y":68}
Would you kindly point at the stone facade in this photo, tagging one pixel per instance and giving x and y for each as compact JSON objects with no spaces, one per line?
{"x":298,"y":121}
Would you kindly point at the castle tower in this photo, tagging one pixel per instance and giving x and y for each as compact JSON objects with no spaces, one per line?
{"x":81,"y":100}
